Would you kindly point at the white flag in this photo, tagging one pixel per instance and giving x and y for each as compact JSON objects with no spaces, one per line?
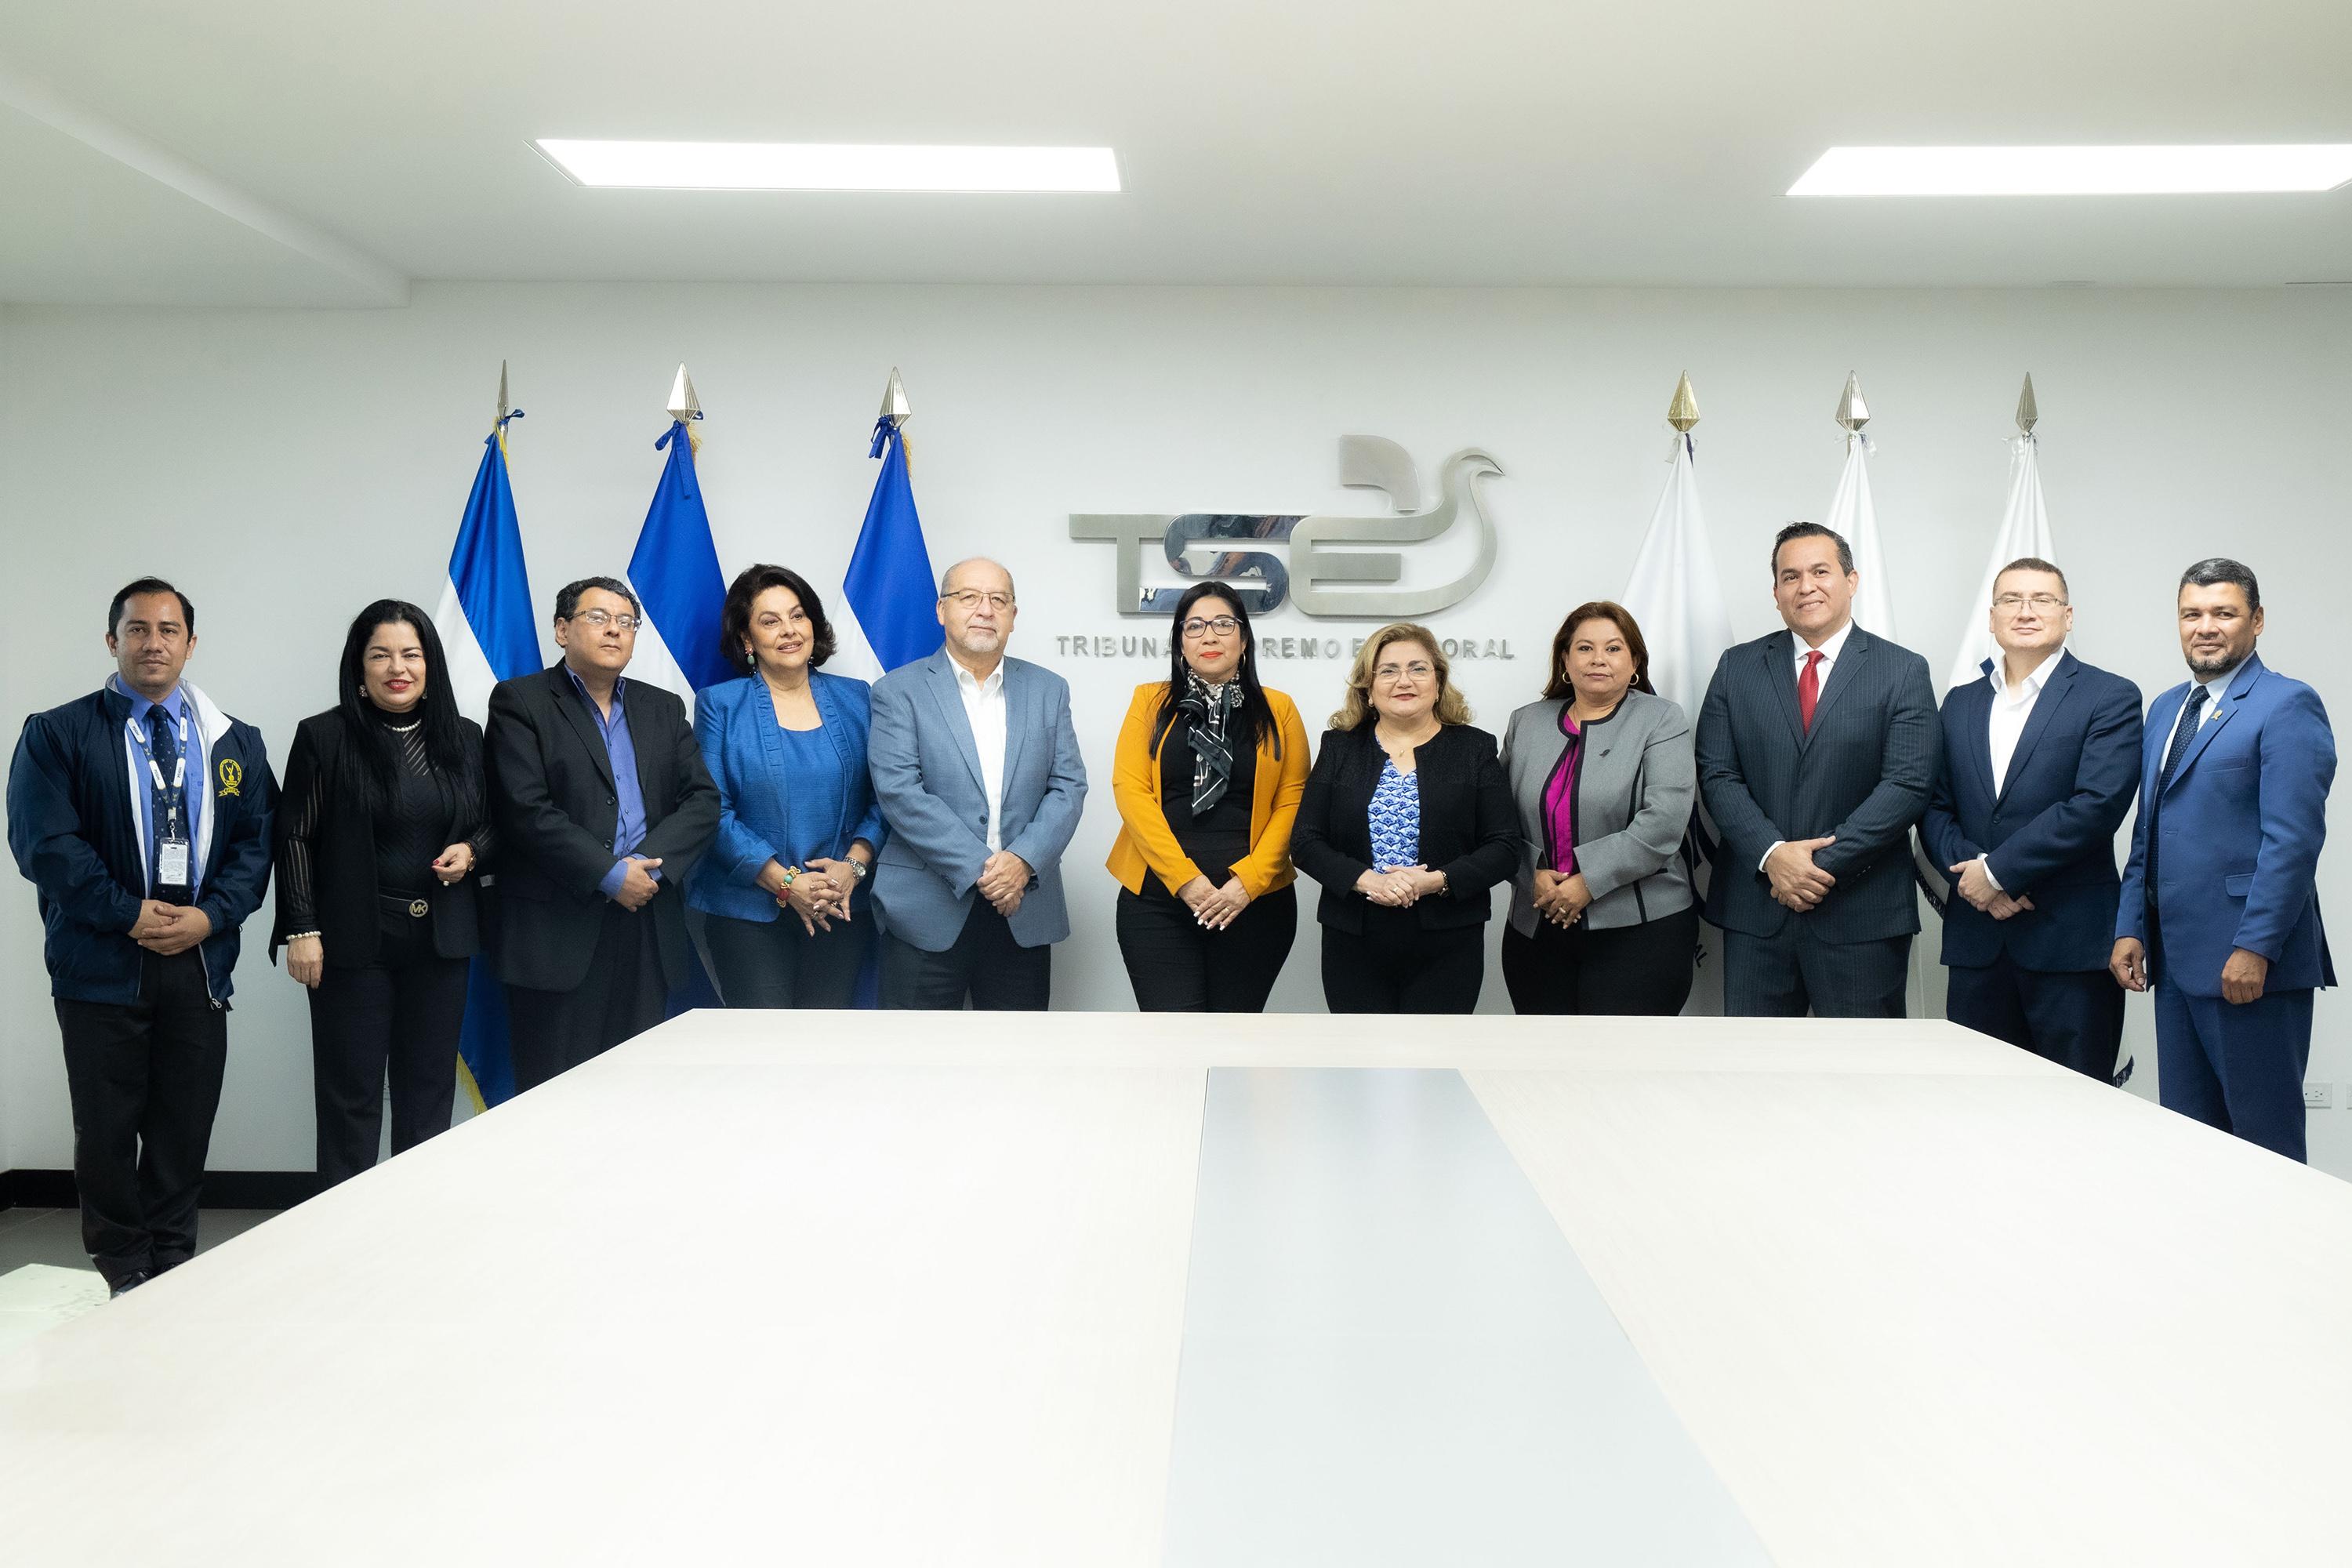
{"x":2024,"y":530}
{"x":1675,"y":593}
{"x":1854,"y":517}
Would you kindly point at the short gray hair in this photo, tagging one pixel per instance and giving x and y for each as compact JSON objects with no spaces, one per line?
{"x":948,"y":575}
{"x":2218,"y":569}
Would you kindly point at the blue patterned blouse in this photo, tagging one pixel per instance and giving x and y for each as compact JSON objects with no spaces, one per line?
{"x":1396,"y":818}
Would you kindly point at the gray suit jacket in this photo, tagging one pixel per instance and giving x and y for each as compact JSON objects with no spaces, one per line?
{"x":1634,"y":790}
{"x":926,"y":777}
{"x":1863,"y":774}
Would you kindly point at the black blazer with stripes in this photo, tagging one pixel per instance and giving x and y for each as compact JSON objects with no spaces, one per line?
{"x":1863,"y":774}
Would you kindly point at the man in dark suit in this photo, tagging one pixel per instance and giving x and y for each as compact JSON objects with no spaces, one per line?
{"x":142,"y":813}
{"x":2040,"y":762}
{"x":2218,"y":902}
{"x":602,"y":804}
{"x":1816,"y":751}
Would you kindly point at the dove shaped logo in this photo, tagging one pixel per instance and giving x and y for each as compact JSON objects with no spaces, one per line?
{"x":1324,"y":574}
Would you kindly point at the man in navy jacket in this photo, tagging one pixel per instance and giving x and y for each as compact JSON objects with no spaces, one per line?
{"x":2218,"y":905}
{"x":2040,"y":762}
{"x":142,"y":813}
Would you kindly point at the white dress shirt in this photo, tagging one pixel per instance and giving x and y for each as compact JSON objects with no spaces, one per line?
{"x":2011,"y":707}
{"x":1831,"y":646}
{"x":983,"y":704}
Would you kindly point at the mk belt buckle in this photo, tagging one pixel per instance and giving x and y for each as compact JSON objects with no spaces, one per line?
{"x":418,"y":908}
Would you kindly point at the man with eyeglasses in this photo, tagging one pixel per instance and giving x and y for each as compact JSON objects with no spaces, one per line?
{"x":975,"y":762}
{"x":602,"y":804}
{"x":2040,"y":762}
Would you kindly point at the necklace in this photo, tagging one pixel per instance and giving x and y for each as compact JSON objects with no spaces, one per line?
{"x":407,"y":729}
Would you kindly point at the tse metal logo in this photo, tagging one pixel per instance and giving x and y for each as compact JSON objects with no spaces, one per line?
{"x":1316,"y":557}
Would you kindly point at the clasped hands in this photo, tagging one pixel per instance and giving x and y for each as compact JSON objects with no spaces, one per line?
{"x":1400,"y":886}
{"x":169,"y":929}
{"x":1213,"y":907}
{"x":819,"y":893}
{"x":1796,"y":883}
{"x":1561,"y":900}
{"x":1975,"y":885}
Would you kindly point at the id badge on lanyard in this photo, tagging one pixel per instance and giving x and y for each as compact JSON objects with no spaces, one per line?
{"x":172,"y":841}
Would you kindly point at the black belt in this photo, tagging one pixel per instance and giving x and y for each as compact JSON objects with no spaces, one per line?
{"x":413,"y":906}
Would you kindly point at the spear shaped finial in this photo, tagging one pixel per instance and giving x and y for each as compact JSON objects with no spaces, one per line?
{"x":894,"y":401}
{"x":683,"y":404}
{"x":1853,"y":411}
{"x":2027,"y":414}
{"x":1682,"y":412}
{"x":502,"y":392}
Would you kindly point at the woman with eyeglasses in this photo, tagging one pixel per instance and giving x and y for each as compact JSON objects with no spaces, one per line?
{"x":784,"y":882}
{"x":383,"y":823}
{"x":1407,"y":823}
{"x":1208,"y":774}
{"x":1602,"y":918}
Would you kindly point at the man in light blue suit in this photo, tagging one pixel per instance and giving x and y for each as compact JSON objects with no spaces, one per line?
{"x":976,"y":766}
{"x":2217,"y":900}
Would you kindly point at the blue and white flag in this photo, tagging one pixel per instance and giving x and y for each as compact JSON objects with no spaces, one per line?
{"x":675,"y":571}
{"x":892,"y":596}
{"x":488,"y":635}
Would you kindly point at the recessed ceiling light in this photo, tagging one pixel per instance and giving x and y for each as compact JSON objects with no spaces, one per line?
{"x":2073,"y":171}
{"x":819,"y":166}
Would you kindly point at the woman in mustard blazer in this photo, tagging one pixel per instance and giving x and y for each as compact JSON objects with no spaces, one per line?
{"x":1208,"y":774}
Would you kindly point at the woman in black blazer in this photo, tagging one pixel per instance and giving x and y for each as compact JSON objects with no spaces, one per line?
{"x":1408,"y":822}
{"x":383,"y":822}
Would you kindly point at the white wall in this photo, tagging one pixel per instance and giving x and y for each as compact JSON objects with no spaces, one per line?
{"x":286,"y":467}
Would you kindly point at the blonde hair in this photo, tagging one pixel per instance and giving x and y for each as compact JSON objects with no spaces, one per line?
{"x":1451,"y":707}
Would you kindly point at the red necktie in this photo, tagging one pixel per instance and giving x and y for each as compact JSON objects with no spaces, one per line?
{"x":1808,"y":687}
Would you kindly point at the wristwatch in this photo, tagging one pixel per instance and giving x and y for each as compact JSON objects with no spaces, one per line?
{"x":857,"y":867}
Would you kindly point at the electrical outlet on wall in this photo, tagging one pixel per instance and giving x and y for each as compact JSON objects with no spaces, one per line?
{"x":2318,"y":1095}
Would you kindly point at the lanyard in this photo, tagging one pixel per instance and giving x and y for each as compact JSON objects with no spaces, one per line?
{"x":174,"y":792}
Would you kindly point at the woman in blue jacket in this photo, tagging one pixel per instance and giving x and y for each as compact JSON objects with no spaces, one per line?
{"x":785,"y":884}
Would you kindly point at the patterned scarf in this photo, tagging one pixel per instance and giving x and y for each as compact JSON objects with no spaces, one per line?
{"x":1210,"y":709}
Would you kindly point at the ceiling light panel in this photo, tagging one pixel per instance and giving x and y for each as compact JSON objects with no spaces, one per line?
{"x":830,"y":166}
{"x":2075,"y":170}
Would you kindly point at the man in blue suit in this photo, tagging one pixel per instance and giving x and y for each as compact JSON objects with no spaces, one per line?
{"x":976,"y":766}
{"x":2040,"y":762}
{"x":2218,"y":902}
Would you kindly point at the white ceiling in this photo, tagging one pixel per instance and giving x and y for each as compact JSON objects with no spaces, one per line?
{"x":290,"y":151}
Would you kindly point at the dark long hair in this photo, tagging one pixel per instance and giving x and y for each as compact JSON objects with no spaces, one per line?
{"x":735,"y":613}
{"x":1256,"y":713}
{"x":445,"y":737}
{"x":1557,"y":686}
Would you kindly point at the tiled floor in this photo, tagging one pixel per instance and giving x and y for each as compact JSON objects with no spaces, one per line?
{"x":53,"y":1235}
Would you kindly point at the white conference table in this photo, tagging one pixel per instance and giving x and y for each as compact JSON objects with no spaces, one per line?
{"x":1104,"y":1290}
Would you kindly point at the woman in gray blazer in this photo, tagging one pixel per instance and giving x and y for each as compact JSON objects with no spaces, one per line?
{"x":1602,"y":917}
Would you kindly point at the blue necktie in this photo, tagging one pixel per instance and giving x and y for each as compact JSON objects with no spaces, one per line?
{"x":163,"y":793}
{"x":2185,"y":732}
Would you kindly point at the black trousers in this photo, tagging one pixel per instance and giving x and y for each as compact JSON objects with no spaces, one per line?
{"x":400,"y":1014}
{"x":622,"y":996}
{"x":782,"y":963}
{"x":1397,"y":967}
{"x":1632,"y":971}
{"x":986,"y":964}
{"x":1788,"y":975}
{"x":2072,"y":1016}
{"x":1176,"y":966}
{"x":144,"y":1081}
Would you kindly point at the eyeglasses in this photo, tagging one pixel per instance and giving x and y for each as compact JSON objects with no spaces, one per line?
{"x":2044,"y":603}
{"x":1418,"y":669}
{"x":972,"y":598}
{"x":600,"y":619}
{"x":1223,"y":626}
